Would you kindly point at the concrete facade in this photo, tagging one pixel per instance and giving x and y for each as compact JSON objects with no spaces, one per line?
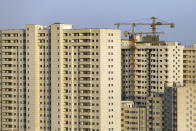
{"x":143,"y":118}
{"x":147,"y":66}
{"x":186,"y":109}
{"x":126,"y":69}
{"x":58,"y":78}
{"x":13,"y":80}
{"x":38,"y":85}
{"x":179,"y":108}
{"x":133,"y":118}
{"x":187,"y":96}
{"x":88,"y":61}
{"x":152,"y":66}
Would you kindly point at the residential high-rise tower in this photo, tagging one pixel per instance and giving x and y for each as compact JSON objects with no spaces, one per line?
{"x":153,"y":63}
{"x":58,"y":78}
{"x":12,"y":80}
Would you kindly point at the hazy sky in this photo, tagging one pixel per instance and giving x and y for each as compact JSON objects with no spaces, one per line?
{"x":102,"y":13}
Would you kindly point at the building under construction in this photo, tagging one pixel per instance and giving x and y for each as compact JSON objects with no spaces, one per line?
{"x":148,"y":65}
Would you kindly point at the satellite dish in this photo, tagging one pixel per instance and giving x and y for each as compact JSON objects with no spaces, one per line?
{"x":126,"y":33}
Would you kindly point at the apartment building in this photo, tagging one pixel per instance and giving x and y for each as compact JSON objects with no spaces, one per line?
{"x":152,"y":66}
{"x":143,"y":118}
{"x":187,"y":99}
{"x":38,"y":78}
{"x":179,"y":108}
{"x":174,"y":109}
{"x":126,"y":69}
{"x":58,"y":78}
{"x":170,"y":107}
{"x":154,"y":114}
{"x":133,"y":118}
{"x":89,"y":62}
{"x":12,"y":83}
{"x":180,"y":100}
{"x":189,"y":66}
{"x":147,"y":66}
{"x":126,"y":59}
{"x":186,"y":109}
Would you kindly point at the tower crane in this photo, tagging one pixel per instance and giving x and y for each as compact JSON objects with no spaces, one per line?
{"x":153,"y":26}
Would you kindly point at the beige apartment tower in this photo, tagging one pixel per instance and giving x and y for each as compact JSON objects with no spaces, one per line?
{"x":153,"y":63}
{"x":12,"y":80}
{"x":143,"y":118}
{"x":133,"y":118}
{"x":86,"y":94}
{"x":186,"y":105}
{"x":187,"y":99}
{"x":180,"y":108}
{"x":180,"y":100}
{"x":38,"y":78}
{"x":60,"y":79}
{"x":148,"y":65}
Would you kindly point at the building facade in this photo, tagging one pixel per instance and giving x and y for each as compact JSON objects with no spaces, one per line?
{"x":87,"y":92}
{"x":55,"y":78}
{"x":179,"y":108}
{"x":189,"y":67}
{"x":126,"y":69}
{"x":59,"y":78}
{"x":154,"y":112}
{"x":13,"y":80}
{"x":143,"y":118}
{"x":38,"y":77}
{"x":133,"y":118}
{"x":186,"y":109}
{"x":152,"y":66}
{"x":170,"y":108}
{"x":148,"y":65}
{"x":187,"y":95}
{"x":180,"y":100}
